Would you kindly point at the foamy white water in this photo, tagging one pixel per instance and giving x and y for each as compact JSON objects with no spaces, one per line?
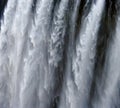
{"x":49,"y":52}
{"x":83,"y":62}
{"x":110,"y":81}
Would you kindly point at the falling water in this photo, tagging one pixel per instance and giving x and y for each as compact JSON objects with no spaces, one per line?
{"x":59,"y":54}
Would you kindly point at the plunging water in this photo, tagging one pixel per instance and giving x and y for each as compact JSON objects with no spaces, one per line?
{"x":59,"y":54}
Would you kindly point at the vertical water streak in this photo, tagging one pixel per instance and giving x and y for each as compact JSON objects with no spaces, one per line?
{"x":8,"y":16}
{"x":109,"y":88}
{"x":33,"y":92}
{"x":73,"y":14}
{"x":57,"y":35}
{"x":5,"y":49}
{"x":83,"y":62}
{"x":19,"y":31}
{"x":56,"y":49}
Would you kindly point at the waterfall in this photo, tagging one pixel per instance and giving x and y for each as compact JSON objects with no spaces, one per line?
{"x":83,"y":60}
{"x":59,"y":54}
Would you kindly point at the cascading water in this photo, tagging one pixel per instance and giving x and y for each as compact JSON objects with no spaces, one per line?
{"x":59,"y":54}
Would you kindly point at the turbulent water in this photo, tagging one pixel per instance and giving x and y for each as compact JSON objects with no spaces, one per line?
{"x":59,"y":53}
